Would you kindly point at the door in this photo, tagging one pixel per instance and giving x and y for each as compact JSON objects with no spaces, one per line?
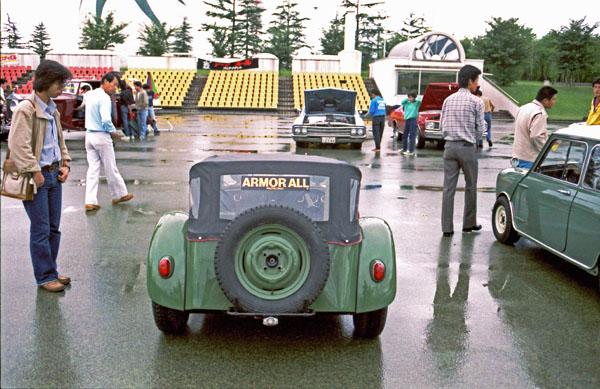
{"x":543,"y":198}
{"x":583,"y":236}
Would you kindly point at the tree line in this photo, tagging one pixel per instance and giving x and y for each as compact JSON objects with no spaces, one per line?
{"x":511,"y":50}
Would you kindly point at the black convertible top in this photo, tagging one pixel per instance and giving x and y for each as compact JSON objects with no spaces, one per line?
{"x":338,"y":229}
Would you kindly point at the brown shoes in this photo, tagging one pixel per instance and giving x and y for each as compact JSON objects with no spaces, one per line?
{"x":127,"y":197}
{"x":53,"y":286}
{"x":92,"y":207}
{"x":64,"y":280}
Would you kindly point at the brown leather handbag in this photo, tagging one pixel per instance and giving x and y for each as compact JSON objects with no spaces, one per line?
{"x":14,"y":184}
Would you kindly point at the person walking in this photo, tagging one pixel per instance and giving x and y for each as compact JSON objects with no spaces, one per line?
{"x":126,"y":98}
{"x":151,"y":113}
{"x":594,"y":115}
{"x":487,"y":116}
{"x":377,"y":112}
{"x":531,"y":132}
{"x":411,"y":112}
{"x":462,"y":125}
{"x":38,"y":148}
{"x":99,"y":145}
{"x":141,"y":105}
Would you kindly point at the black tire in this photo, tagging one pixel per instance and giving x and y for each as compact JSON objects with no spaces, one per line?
{"x":169,"y":321}
{"x":314,"y":265}
{"x":502,"y":223}
{"x":356,"y":146}
{"x":441,"y":144}
{"x":420,"y":140}
{"x":369,"y":324}
{"x":301,"y":144}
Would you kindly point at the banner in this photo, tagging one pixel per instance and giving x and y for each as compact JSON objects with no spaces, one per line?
{"x":249,"y":63}
{"x":9,"y":58}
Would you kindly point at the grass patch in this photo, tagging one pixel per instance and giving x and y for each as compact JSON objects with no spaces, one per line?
{"x":572,"y":103}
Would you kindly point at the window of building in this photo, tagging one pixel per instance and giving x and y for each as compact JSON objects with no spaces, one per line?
{"x":417,"y":80}
{"x":408,"y":81}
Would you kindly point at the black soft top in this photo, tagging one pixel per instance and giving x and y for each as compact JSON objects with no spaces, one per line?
{"x":338,"y":229}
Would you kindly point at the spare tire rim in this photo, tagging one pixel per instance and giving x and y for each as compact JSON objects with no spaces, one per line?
{"x":272,"y":261}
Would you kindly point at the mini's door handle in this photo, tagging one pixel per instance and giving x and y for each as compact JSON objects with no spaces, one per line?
{"x":565,"y":192}
{"x":523,"y":186}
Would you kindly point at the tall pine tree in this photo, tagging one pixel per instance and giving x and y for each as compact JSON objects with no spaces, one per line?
{"x":39,"y":41}
{"x":13,"y":37}
{"x":414,"y":26}
{"x":369,"y":29}
{"x":251,"y":29}
{"x":182,"y":38}
{"x":155,"y":40}
{"x":286,"y":33}
{"x":332,"y":41}
{"x":226,"y":30}
{"x":101,"y":34}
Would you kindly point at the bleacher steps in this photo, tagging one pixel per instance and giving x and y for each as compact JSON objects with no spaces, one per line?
{"x":285,"y":103}
{"x":190,"y":102}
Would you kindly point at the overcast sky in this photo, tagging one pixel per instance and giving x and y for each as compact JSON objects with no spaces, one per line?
{"x":63,"y":18}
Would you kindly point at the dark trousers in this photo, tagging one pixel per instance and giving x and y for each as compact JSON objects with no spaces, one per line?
{"x":44,"y":236}
{"x":378,"y":126}
{"x":410,"y":132}
{"x":459,"y":156}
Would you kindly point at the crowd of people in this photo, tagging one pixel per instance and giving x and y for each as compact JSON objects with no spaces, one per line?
{"x":37,"y":146}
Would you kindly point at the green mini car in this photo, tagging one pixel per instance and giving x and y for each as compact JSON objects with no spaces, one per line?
{"x":272,"y":236}
{"x":556,"y":203}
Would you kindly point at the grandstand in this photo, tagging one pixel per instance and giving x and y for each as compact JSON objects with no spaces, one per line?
{"x":240,"y":89}
{"x":305,"y":80}
{"x":89,"y":72}
{"x":18,"y":77}
{"x":171,"y":85}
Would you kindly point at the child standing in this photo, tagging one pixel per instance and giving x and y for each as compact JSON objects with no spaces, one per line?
{"x":411,"y":112}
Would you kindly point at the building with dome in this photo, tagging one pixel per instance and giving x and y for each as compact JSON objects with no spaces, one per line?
{"x":411,"y":65}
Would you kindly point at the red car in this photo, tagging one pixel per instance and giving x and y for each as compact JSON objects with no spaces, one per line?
{"x":429,"y":114}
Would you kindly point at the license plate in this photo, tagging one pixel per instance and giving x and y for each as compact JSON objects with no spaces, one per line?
{"x":328,"y":139}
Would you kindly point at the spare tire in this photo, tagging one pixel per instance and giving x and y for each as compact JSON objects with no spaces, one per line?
{"x":272,"y":259}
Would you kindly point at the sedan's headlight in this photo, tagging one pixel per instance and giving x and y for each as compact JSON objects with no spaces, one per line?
{"x":304,"y":130}
{"x":354,"y":131}
{"x":360,"y":131}
{"x":429,"y":125}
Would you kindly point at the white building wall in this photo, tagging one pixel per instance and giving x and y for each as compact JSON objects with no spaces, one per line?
{"x":87,"y":58}
{"x":165,"y":62}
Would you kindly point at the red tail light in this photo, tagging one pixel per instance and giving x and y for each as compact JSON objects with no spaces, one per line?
{"x":378,"y":270}
{"x":165,"y":267}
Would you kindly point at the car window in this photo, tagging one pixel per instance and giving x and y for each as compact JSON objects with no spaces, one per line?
{"x":306,"y":193}
{"x":592,"y":176}
{"x":563,"y":160}
{"x":354,"y":186}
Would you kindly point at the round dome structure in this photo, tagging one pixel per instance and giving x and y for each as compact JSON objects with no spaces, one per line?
{"x":433,"y":46}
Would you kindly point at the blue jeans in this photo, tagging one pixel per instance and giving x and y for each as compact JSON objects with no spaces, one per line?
{"x":152,"y":116}
{"x":44,"y":237}
{"x":524,"y":164}
{"x":410,"y":130}
{"x":125,"y":119}
{"x":488,"y":119}
{"x":142,"y":116}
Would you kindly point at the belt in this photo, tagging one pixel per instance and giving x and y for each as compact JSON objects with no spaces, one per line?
{"x":51,"y":168}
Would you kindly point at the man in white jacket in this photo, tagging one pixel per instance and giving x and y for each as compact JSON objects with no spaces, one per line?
{"x":531,"y":132}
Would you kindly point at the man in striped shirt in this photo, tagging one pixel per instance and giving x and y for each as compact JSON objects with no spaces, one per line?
{"x":462,"y":124}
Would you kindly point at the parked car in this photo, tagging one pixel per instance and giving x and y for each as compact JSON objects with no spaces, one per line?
{"x":429,"y":115}
{"x":556,"y":203}
{"x":272,"y":236}
{"x":329,"y":116}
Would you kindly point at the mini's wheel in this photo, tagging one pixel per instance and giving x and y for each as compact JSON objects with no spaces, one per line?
{"x":502,"y":222}
{"x":170,"y":321}
{"x":369,"y":324}
{"x":419,"y":140}
{"x":272,"y":259}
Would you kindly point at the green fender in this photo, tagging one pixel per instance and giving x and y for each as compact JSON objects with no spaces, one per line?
{"x":377,"y":243}
{"x":169,"y":240}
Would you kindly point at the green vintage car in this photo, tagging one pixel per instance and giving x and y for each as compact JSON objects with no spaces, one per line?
{"x":557,"y":202}
{"x":272,"y":236}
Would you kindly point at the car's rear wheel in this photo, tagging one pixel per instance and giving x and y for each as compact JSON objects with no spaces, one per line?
{"x":397,"y":135}
{"x":170,"y":321}
{"x":502,"y":223}
{"x":419,"y":140}
{"x":369,"y":324}
{"x":272,"y":259}
{"x":356,"y":146}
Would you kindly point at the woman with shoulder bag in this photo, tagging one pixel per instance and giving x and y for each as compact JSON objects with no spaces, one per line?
{"x":38,"y":149}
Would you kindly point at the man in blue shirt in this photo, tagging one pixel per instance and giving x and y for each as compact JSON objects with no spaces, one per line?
{"x":99,"y":145}
{"x":377,"y":112}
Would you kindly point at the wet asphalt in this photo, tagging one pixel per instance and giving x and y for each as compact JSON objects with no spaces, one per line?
{"x":469,"y":311}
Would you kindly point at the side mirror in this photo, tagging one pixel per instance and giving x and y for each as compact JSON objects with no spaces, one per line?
{"x":514,"y":162}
